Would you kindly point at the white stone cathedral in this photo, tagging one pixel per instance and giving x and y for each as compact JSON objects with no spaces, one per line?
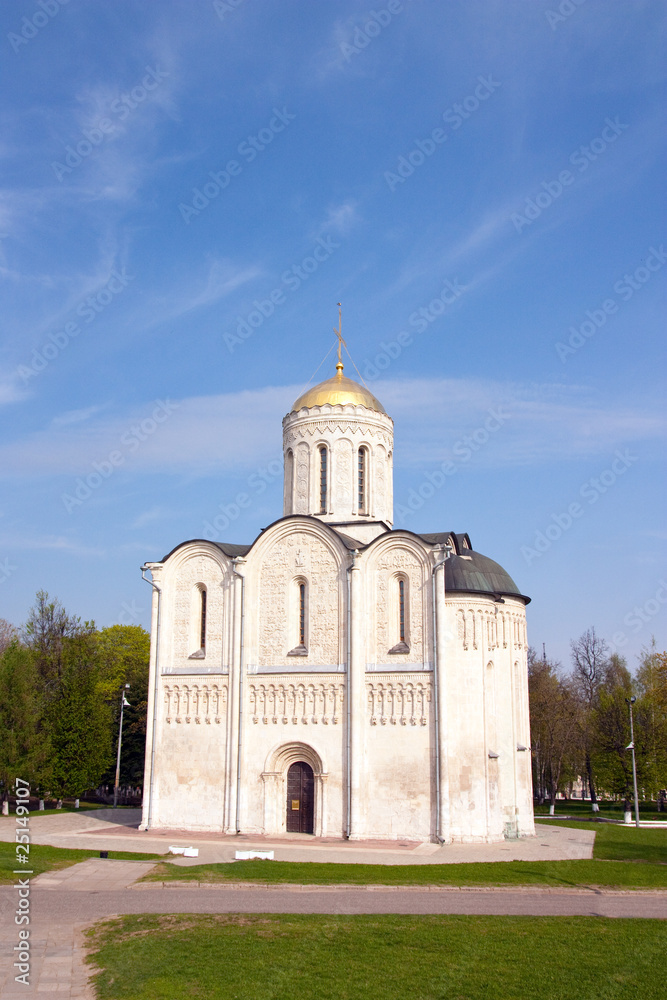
{"x":337,"y":677}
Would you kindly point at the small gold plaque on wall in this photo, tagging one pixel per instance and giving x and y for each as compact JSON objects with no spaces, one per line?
{"x":295,"y":804}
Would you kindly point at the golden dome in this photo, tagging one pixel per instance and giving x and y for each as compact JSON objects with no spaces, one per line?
{"x":338,"y":389}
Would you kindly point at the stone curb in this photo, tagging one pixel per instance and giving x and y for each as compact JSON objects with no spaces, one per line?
{"x":291,"y":887}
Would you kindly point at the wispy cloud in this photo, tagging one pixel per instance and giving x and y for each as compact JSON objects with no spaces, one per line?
{"x":210,"y":434}
{"x":149,"y":516}
{"x":10,"y":390}
{"x":340,"y":218}
{"x":542,"y":423}
{"x":44,"y":543}
{"x":75,"y":416}
{"x":222,"y":278}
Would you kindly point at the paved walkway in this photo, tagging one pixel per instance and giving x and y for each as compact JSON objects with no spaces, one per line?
{"x":64,"y":903}
{"x":116,"y":830}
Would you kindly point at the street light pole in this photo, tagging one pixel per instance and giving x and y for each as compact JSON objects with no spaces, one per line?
{"x":123,"y":703}
{"x":630,"y":703}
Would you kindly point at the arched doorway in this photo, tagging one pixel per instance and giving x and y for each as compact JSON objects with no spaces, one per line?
{"x":300,"y":798}
{"x":277,"y":817}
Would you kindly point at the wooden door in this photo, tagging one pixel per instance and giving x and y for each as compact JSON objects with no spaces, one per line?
{"x":300,"y":798}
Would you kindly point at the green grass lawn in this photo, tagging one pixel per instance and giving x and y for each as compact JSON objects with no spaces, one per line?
{"x":566,"y":874}
{"x":623,"y":843}
{"x":45,"y":859}
{"x":608,"y":810}
{"x":67,"y":807}
{"x":642,"y":853}
{"x":314,"y":957}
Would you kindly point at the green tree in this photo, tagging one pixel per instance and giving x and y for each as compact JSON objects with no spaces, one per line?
{"x":24,"y":746}
{"x":79,"y":719}
{"x":651,"y":717}
{"x":124,"y":653}
{"x":46,"y":632}
{"x":553,"y":727}
{"x":8,"y":632}
{"x":610,"y":725}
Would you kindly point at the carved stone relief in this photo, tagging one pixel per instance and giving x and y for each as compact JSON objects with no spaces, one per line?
{"x":195,"y":703}
{"x":380,"y":463}
{"x":392,"y":562}
{"x":199,"y":569}
{"x":302,"y":475}
{"x":344,"y":476}
{"x":398,"y":703}
{"x":318,"y":568}
{"x":284,"y":703}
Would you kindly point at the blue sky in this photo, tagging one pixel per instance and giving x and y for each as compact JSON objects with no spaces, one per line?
{"x":189,"y":188}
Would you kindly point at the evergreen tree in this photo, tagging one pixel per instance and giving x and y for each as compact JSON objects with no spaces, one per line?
{"x":24,"y":745}
{"x":80,"y":720}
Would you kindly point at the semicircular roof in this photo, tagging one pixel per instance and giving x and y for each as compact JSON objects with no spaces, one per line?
{"x":475,"y":573}
{"x":338,"y":389}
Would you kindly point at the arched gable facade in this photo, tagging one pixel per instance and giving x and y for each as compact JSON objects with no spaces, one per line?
{"x":332,"y":651}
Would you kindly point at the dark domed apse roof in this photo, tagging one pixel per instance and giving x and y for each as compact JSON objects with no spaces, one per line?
{"x":475,"y":573}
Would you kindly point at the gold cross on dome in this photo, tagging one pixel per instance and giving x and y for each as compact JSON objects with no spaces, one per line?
{"x":341,"y":342}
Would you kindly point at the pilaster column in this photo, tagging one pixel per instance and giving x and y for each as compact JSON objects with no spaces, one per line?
{"x":443,"y":720}
{"x":356,"y":692}
{"x":153,"y":709}
{"x":233,"y":703}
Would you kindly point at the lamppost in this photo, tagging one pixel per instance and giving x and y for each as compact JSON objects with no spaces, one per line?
{"x":123,"y":703}
{"x":631,"y":746}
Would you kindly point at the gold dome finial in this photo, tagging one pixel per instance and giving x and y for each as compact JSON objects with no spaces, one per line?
{"x":338,"y":390}
{"x":339,"y":334}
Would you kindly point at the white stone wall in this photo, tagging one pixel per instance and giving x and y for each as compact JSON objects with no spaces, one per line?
{"x":400,"y":800}
{"x":190,"y":785}
{"x":291,"y":717}
{"x":286,"y":556}
{"x":343,"y":429}
{"x":487,"y":685}
{"x":393,"y":558}
{"x":299,"y":707}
